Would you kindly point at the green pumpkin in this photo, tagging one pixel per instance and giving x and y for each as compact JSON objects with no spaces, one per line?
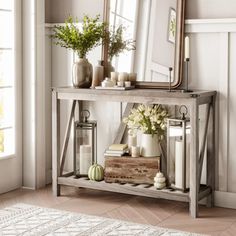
{"x":96,"y":172}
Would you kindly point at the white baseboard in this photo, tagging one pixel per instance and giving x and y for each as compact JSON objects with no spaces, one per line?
{"x":27,"y":188}
{"x":225,"y":199}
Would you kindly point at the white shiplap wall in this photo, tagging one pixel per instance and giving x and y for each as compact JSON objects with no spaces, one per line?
{"x":213,"y":55}
{"x":213,"y":50}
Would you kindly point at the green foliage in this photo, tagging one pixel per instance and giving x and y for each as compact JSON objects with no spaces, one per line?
{"x":173,"y":27}
{"x":116,"y":42}
{"x":79,"y":40}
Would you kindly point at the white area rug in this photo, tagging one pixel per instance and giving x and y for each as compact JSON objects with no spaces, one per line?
{"x":22,"y":219}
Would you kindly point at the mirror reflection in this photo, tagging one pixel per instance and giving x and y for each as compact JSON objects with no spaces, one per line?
{"x":153,"y":25}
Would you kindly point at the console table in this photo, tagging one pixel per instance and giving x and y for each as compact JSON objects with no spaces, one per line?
{"x":146,"y":96}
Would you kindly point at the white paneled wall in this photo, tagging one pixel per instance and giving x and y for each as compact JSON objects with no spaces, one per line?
{"x":213,"y":50}
{"x":213,"y":56}
{"x":232,"y":114}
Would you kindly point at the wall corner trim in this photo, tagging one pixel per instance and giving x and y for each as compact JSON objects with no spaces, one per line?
{"x":210,"y":25}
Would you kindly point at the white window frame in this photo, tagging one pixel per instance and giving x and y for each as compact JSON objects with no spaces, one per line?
{"x":17,"y":81}
{"x":116,"y":15}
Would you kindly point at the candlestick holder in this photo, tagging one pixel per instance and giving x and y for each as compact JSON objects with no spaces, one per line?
{"x":187,"y":60}
{"x":170,"y":70}
{"x":170,"y":78}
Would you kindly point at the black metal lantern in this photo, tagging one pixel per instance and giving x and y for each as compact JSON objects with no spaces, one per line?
{"x":86,"y":144}
{"x":177,"y":150}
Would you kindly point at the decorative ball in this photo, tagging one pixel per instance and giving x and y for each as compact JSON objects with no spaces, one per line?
{"x":96,"y":172}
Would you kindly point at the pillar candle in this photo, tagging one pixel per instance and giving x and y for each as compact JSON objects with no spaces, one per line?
{"x":127,"y":83}
{"x":114,"y":76}
{"x":187,"y":48}
{"x":132,"y":140}
{"x":179,"y":164}
{"x":123,"y":76}
{"x":132,"y":77}
{"x":135,"y":151}
{"x":120,"y":83}
{"x":188,"y":165}
{"x":85,"y":158}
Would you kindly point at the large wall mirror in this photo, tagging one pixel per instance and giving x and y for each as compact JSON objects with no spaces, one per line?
{"x":157,"y":26}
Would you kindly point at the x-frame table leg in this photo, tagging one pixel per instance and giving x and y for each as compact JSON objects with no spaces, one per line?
{"x":194,"y":157}
{"x":55,"y":143}
{"x":211,"y":154}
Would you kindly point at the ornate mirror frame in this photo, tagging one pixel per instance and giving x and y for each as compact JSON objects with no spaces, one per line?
{"x":179,"y":49}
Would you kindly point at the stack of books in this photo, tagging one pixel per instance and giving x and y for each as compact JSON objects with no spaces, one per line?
{"x":117,"y":150}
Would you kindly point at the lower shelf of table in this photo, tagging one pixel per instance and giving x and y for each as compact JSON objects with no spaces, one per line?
{"x":132,"y":189}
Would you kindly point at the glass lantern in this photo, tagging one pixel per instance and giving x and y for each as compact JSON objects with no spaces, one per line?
{"x":85,"y":144}
{"x":178,"y":130}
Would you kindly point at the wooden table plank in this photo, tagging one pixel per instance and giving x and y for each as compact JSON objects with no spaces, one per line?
{"x":125,"y":188}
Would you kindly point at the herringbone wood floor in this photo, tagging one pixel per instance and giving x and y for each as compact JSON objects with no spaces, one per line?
{"x":170,"y":214}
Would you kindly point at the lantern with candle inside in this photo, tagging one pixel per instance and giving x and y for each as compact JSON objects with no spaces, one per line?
{"x":85,"y":144}
{"x":178,"y":130}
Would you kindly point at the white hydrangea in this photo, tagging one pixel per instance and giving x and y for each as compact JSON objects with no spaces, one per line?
{"x":149,"y":119}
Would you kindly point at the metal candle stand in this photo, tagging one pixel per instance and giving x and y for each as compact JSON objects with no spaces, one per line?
{"x":187,"y":60}
{"x":170,"y":70}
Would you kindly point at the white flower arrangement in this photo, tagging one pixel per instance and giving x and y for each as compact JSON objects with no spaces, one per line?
{"x":148,"y":119}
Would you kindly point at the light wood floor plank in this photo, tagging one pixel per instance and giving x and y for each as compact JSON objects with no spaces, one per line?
{"x":170,"y":214}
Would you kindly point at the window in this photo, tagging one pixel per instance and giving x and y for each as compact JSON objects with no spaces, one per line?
{"x":7,"y":75}
{"x":124,"y":12}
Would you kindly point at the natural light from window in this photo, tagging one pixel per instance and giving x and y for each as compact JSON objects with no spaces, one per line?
{"x":7,"y":89}
{"x":123,"y":12}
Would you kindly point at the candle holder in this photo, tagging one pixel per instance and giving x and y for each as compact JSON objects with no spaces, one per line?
{"x":170,"y":70}
{"x":178,"y":130}
{"x":170,"y":78}
{"x":86,"y":143}
{"x":187,"y":90}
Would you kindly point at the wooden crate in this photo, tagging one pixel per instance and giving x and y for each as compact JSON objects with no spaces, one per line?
{"x":140,"y":170}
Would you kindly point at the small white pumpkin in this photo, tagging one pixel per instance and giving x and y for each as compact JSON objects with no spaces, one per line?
{"x":96,"y":172}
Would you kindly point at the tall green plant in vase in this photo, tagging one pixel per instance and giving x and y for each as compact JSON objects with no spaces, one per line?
{"x":117,"y":44}
{"x":81,"y":40}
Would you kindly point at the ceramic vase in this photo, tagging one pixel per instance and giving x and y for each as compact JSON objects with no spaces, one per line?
{"x":98,"y":74}
{"x":109,"y":68}
{"x":82,"y":73}
{"x":150,"y":145}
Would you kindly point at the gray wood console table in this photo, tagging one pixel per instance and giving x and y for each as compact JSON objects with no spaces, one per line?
{"x":147,"y":96}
